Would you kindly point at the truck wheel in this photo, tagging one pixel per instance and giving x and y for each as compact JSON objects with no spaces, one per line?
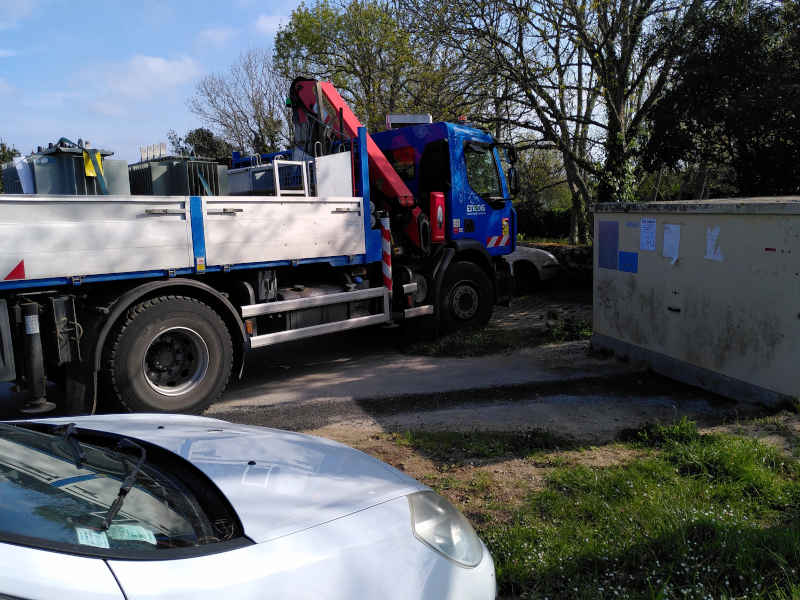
{"x":466,"y":299}
{"x":171,"y":354}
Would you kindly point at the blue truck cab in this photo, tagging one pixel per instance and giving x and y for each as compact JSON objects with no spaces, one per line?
{"x":465,"y":272}
{"x":465,"y":164}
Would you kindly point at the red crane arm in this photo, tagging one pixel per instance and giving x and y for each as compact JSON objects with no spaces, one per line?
{"x":381,"y":171}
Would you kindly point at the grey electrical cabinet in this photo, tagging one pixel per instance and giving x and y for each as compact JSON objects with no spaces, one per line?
{"x":59,"y":170}
{"x":178,"y":176}
{"x":704,"y":292}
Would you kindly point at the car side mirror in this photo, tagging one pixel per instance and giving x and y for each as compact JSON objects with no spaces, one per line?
{"x":513,"y":180}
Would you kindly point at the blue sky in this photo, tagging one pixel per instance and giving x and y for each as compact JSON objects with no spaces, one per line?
{"x":118,"y":73}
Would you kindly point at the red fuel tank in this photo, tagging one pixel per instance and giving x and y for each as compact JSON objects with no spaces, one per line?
{"x":437,"y":217}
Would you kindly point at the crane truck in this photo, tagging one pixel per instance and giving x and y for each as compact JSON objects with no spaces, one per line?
{"x":150,"y":303}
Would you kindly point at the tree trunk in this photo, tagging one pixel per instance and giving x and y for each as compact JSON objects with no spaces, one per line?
{"x":575,"y":218}
{"x":586,"y":223}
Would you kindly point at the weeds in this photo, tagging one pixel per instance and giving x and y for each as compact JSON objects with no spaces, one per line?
{"x":567,"y":330}
{"x":702,"y":516}
{"x":458,"y":447}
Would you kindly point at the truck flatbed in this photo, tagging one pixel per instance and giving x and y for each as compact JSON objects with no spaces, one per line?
{"x":51,"y":240}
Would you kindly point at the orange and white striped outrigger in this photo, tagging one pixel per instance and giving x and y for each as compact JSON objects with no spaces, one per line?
{"x":386,"y":259}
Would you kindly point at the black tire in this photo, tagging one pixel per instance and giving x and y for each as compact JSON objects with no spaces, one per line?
{"x":169,"y":354}
{"x":466,"y":299}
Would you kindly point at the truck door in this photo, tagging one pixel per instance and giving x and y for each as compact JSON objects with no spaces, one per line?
{"x":481,"y":197}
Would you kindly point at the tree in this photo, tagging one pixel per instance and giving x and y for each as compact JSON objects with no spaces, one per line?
{"x":371,"y":52}
{"x":200,"y":142}
{"x":7,"y":154}
{"x":735,"y":105}
{"x":578,"y":77}
{"x":246,"y":106}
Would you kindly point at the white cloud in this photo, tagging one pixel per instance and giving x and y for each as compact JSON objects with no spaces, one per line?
{"x":269,"y":24}
{"x":215,"y":36}
{"x":5,"y":53}
{"x":144,"y":77}
{"x":14,"y":11}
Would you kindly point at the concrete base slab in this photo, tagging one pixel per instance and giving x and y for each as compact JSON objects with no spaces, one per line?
{"x":393,"y":375}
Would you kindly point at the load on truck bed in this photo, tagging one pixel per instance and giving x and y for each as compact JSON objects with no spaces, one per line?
{"x":143,"y":302}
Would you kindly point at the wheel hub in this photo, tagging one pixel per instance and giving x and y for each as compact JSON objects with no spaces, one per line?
{"x":176,"y":361}
{"x":464,"y":301}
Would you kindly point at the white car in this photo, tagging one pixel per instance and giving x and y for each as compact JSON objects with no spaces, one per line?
{"x":531,"y":267}
{"x":171,"y":506}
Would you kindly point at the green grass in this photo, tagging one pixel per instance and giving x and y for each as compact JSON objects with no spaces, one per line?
{"x":701,"y":516}
{"x":480,"y":342}
{"x":566,"y":330}
{"x":458,"y":447}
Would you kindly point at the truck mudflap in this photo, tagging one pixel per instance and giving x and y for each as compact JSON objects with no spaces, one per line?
{"x":8,"y":370}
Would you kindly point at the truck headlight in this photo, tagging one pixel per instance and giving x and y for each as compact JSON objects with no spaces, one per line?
{"x":441,"y":526}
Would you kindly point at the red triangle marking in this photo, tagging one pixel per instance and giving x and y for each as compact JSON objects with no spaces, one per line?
{"x":17,"y":272}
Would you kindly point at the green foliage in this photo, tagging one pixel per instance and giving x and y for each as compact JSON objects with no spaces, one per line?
{"x":200,"y":142}
{"x":568,"y":329}
{"x":707,"y":517}
{"x":7,"y":153}
{"x":367,"y":50}
{"x":735,"y":103}
{"x":535,"y":221}
{"x":544,"y":201}
{"x":358,"y":46}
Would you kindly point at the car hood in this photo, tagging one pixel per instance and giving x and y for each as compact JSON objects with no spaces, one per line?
{"x":278,"y":482}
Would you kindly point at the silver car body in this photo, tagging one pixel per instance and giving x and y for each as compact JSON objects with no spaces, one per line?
{"x":328,"y":521}
{"x":546,"y":265}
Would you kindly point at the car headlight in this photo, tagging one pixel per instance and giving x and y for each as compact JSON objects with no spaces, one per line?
{"x":441,"y":526}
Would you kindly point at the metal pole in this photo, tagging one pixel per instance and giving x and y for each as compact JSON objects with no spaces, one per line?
{"x":34,"y":362}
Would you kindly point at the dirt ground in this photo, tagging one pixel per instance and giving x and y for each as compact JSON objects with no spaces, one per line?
{"x":488,"y":449}
{"x":553,"y":314}
{"x":493,"y":487}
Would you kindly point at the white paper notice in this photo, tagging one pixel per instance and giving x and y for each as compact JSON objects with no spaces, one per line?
{"x":89,"y":537}
{"x":647,"y":234}
{"x":713,"y":251}
{"x":136,"y":533}
{"x":672,"y":242}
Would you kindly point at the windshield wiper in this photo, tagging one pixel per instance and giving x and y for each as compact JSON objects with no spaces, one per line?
{"x":67,"y":433}
{"x":127,"y":482}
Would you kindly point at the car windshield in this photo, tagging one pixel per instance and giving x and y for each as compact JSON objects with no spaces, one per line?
{"x":482,"y":170}
{"x":45,"y":496}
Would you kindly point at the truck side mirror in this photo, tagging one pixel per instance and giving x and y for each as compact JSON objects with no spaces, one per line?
{"x":513,"y":180}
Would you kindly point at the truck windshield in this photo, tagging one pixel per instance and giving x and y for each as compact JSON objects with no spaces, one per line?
{"x":482,"y":170}
{"x":49,"y":496}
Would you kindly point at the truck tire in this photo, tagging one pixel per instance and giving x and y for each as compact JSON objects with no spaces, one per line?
{"x":466,"y":298}
{"x":170,"y":354}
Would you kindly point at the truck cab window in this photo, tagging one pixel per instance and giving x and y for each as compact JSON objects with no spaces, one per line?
{"x":402,"y":159}
{"x":482,"y":170}
{"x":434,"y":169}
